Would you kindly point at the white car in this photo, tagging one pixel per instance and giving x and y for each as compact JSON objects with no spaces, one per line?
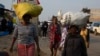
{"x":95,"y":27}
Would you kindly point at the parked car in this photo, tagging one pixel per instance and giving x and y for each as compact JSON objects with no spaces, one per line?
{"x":95,"y":27}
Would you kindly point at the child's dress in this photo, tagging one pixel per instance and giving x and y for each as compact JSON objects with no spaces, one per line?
{"x":63,"y":36}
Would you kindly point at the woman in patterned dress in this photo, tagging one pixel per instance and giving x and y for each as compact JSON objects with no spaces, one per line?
{"x":55,"y":35}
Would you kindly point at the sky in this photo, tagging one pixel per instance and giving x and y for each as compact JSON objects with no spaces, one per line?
{"x":51,"y":7}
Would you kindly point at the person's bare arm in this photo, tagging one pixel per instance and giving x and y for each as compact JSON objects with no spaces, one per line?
{"x":15,"y":35}
{"x":12,"y":44}
{"x":35,"y":34}
{"x":37,"y":42}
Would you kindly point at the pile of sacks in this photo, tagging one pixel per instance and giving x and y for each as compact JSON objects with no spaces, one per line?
{"x":27,"y":8}
{"x":78,"y":18}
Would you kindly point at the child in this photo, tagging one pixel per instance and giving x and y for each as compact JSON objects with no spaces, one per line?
{"x":63,"y":36}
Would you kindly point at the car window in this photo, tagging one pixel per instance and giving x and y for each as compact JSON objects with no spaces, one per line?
{"x":96,"y":24}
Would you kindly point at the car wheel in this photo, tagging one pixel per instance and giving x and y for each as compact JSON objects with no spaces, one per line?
{"x":95,"y":32}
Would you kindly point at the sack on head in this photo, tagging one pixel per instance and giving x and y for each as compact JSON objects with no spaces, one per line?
{"x":27,"y":8}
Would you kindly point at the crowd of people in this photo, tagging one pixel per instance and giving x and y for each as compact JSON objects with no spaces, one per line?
{"x":67,"y":38}
{"x":71,"y":40}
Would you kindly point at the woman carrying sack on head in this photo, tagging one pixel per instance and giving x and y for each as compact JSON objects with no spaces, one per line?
{"x":27,"y":36}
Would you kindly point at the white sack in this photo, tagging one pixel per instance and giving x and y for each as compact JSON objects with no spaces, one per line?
{"x":78,"y":18}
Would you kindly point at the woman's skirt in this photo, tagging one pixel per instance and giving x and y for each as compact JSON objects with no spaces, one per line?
{"x":26,"y":50}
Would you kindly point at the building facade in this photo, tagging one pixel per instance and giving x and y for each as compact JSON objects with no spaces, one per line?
{"x":95,"y":15}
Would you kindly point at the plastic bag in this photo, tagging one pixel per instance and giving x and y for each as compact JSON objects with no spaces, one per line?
{"x":27,"y":8}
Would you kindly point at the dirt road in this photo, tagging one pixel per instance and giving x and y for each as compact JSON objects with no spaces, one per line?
{"x":94,"y":49}
{"x":5,"y":43}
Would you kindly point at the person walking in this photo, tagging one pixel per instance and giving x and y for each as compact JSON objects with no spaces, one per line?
{"x":84,"y":34}
{"x":3,"y":24}
{"x":55,"y":35}
{"x":64,"y":32}
{"x":74,"y":43}
{"x":44,"y":28}
{"x":27,"y":36}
